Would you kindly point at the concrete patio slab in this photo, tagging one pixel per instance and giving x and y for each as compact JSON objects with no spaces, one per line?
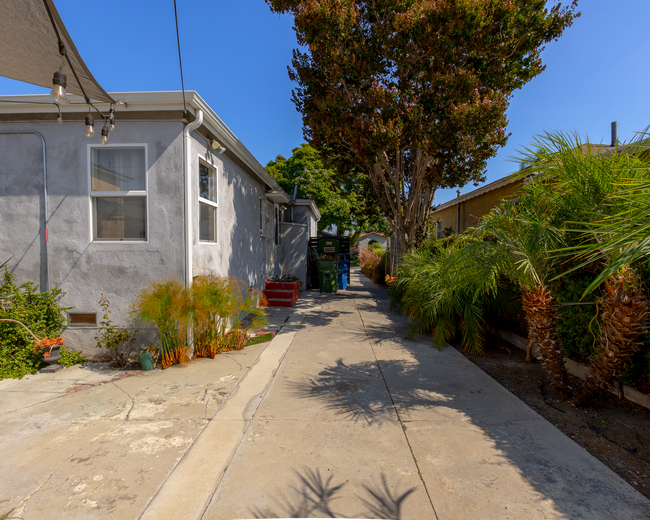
{"x":317,"y":468}
{"x":337,"y":416}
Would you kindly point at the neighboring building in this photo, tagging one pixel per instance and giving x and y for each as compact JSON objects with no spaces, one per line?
{"x":465,"y":210}
{"x":133,"y":211}
{"x":366,"y":239}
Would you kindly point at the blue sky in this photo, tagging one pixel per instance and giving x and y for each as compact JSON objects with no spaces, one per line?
{"x":235,"y":54}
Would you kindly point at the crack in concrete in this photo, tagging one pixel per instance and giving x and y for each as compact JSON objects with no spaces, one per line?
{"x":240,"y":366}
{"x":415,"y":460}
{"x":128,"y":414}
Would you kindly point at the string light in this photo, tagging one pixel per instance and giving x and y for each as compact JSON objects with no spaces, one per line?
{"x":58,"y":93}
{"x":90,"y":126}
{"x":105,"y":133}
{"x":111,"y":117}
{"x":59,"y":119}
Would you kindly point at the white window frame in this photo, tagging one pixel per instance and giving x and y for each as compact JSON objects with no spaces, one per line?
{"x":132,"y":193}
{"x":264,"y":204}
{"x":208,"y":201}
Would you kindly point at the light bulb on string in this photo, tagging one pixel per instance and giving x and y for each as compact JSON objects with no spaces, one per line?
{"x":111,"y":118}
{"x":59,"y":81}
{"x":105,"y":134}
{"x":90,"y":126}
{"x":59,"y":119}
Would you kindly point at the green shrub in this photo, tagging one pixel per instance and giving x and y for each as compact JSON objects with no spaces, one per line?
{"x":578,"y":326}
{"x":39,"y":312}
{"x":370,"y":259}
{"x":118,"y":341}
{"x":70,"y":357}
{"x":383,"y":268}
{"x":448,"y":288}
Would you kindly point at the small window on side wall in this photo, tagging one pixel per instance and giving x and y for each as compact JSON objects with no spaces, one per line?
{"x":208,"y":206}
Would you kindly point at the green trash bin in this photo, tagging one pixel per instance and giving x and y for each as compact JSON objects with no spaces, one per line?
{"x":327,"y":275}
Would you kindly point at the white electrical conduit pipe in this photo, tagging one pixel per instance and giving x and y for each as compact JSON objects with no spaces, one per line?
{"x":46,"y":217}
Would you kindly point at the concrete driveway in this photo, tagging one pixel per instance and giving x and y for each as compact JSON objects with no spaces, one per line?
{"x":338,"y":416}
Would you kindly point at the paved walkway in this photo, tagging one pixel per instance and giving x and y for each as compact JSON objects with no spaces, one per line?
{"x":337,"y":417}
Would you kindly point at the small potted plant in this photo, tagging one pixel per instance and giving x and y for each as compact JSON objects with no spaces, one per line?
{"x":149,"y":357}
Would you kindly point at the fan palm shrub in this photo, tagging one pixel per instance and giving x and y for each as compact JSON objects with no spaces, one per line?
{"x":602,"y":194}
{"x":447,"y":287}
{"x":524,"y":234}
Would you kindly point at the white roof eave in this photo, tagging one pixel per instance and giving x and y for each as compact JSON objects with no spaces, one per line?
{"x":151,"y":101}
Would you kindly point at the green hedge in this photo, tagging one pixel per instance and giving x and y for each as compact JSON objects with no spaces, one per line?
{"x":40,"y":312}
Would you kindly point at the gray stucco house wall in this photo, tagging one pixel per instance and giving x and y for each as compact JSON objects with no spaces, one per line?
{"x":243,"y":197}
{"x":295,"y":238}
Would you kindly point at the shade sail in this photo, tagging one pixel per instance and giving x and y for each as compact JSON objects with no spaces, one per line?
{"x":29,"y":49}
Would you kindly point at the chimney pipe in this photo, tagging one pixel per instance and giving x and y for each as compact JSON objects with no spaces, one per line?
{"x":615,"y":133}
{"x":458,"y":213}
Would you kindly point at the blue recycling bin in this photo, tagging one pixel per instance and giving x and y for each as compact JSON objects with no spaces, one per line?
{"x":343,"y":274}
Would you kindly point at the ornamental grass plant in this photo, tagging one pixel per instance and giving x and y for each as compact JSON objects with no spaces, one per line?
{"x":217,"y":310}
{"x":168,"y":305}
{"x":219,"y":306}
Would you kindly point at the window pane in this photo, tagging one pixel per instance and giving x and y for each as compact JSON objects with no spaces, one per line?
{"x":207,"y":183}
{"x":207,"y":223}
{"x":117,"y":169}
{"x":120,"y":218}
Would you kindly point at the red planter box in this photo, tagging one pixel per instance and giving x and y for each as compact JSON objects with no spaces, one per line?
{"x":281,"y":294}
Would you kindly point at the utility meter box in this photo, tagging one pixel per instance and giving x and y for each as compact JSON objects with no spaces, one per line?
{"x":328,"y":247}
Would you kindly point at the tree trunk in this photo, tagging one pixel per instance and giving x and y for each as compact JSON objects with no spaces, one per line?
{"x":541,"y":315}
{"x":404,"y":191}
{"x":624,"y":306}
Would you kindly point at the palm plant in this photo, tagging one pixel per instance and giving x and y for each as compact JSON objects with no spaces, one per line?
{"x":447,"y":287}
{"x":524,"y":234}
{"x":602,"y":193}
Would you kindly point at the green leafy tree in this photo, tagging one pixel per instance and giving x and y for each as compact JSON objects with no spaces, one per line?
{"x":414,"y":92}
{"x":340,"y":200}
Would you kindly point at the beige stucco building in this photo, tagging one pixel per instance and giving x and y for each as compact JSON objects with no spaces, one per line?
{"x":465,"y":211}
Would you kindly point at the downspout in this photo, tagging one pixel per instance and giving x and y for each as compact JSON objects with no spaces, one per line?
{"x":187,"y":168}
{"x":293,"y":199}
{"x":45,"y":217}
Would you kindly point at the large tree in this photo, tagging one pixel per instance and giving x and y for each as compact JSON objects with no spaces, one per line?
{"x":414,"y":92}
{"x":340,"y":198}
